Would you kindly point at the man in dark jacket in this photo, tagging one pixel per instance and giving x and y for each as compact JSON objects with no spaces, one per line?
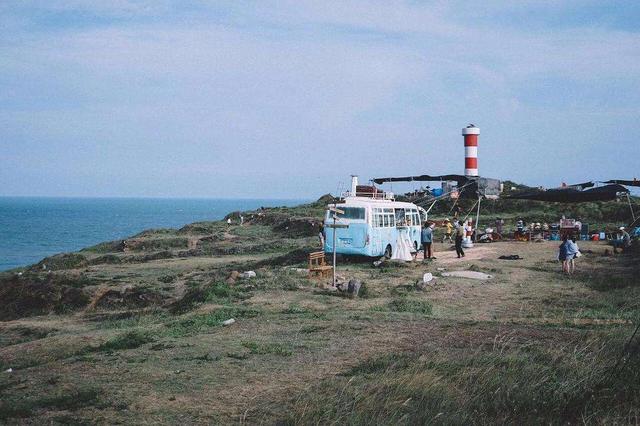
{"x":459,"y":236}
{"x":427,"y":240}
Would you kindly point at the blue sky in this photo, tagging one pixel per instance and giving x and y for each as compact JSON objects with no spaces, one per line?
{"x":286,"y":99}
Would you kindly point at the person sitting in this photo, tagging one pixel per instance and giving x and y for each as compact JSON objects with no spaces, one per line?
{"x":623,"y":242}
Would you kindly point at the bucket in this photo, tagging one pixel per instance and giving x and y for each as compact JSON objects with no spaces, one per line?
{"x":437,"y":192}
{"x":603,"y":236}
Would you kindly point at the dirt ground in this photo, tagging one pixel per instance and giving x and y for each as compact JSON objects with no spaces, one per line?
{"x":188,"y":368}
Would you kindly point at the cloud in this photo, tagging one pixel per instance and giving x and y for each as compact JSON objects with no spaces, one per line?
{"x":202,"y":93}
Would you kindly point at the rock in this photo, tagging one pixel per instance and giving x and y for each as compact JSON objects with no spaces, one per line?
{"x":228,"y":322}
{"x":233,"y":276}
{"x":247,"y":274}
{"x":468,"y":274}
{"x":353,"y":288}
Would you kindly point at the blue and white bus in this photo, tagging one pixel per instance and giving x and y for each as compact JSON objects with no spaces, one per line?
{"x":374,"y":225}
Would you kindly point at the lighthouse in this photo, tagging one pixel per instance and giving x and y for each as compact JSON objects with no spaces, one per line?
{"x":470,"y":134}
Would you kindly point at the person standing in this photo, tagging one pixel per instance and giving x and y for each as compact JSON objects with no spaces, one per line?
{"x":427,"y":240}
{"x":321,"y":234}
{"x":459,"y":237}
{"x":448,"y":232}
{"x":568,"y":252}
{"x":499,"y":225}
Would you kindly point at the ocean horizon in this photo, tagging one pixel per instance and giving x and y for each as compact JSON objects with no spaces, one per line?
{"x":32,"y":228}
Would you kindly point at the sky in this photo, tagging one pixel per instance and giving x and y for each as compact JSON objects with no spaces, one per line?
{"x":286,"y":99}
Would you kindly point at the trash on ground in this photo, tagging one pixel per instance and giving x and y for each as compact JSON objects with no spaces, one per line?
{"x":228,"y":322}
{"x":248,"y":274}
{"x":468,"y":274}
{"x":427,"y":277}
{"x":9,"y":370}
{"x":511,"y":257}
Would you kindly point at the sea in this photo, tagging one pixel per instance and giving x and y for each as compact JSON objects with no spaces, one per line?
{"x":32,"y":228}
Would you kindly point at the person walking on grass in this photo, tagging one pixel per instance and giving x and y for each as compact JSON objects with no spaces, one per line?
{"x":427,"y":240}
{"x":460,"y":232}
{"x":569,"y":250}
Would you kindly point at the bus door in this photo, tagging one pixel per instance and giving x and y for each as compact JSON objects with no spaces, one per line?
{"x":382,"y":230}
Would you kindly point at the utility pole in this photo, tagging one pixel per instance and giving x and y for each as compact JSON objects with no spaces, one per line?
{"x":335,"y":210}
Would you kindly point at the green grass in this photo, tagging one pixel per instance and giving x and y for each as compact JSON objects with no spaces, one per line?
{"x":405,"y":304}
{"x":129,"y":340}
{"x":68,"y":400}
{"x":203,"y":322}
{"x":268,"y":348}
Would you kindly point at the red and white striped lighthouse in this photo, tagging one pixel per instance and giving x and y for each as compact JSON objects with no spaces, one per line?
{"x":470,"y":134}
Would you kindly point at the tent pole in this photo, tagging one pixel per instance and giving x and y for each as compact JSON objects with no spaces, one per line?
{"x":633,"y":215}
{"x":478,"y":220}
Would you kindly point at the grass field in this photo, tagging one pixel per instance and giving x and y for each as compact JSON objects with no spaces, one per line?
{"x":527,"y":346}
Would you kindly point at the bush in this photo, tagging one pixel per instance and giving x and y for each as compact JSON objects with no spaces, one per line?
{"x":129,"y":340}
{"x":410,"y":305}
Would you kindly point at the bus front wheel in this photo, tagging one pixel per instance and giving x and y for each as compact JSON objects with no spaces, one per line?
{"x":388,"y":252}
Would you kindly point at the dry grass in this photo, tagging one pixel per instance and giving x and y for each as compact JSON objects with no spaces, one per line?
{"x":528,"y":346}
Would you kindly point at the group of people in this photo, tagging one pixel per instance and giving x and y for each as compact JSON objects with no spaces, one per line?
{"x":459,"y":228}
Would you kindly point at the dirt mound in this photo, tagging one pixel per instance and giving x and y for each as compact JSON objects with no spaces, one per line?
{"x":107,"y":259}
{"x":293,"y":257}
{"x":200,"y":228}
{"x":128,"y":297}
{"x":299,"y":226}
{"x":61,"y":261}
{"x":149,"y":244}
{"x":28,"y":296}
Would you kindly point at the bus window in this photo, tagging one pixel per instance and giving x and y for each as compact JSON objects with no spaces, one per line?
{"x":351,"y":213}
{"x":400,"y":217}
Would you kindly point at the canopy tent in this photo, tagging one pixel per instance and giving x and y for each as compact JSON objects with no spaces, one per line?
{"x":634,"y":182}
{"x":570,"y":194}
{"x":467,"y":187}
{"x":460,"y":179}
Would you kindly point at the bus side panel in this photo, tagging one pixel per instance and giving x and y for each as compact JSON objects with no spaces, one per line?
{"x":381,"y":238}
{"x":349,"y":240}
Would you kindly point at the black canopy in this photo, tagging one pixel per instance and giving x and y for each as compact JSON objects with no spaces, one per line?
{"x":634,"y":182}
{"x":460,"y":179}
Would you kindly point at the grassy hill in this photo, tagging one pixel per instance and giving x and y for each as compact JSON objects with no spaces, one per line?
{"x":131,"y":331}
